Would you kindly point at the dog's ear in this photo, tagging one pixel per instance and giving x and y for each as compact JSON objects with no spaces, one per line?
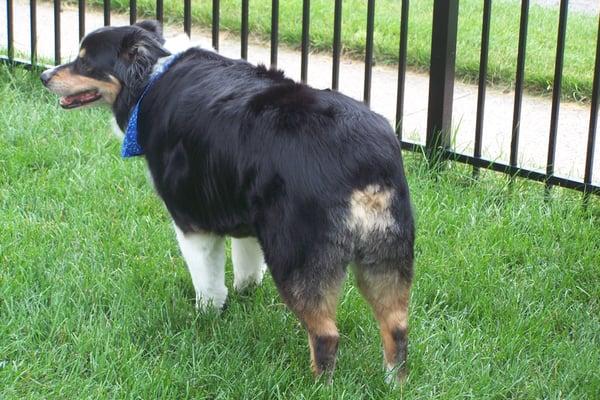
{"x":132,"y":45}
{"x":154,"y":27}
{"x":138,"y":43}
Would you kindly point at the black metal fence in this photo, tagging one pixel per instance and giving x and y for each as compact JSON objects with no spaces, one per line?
{"x":441,"y":87}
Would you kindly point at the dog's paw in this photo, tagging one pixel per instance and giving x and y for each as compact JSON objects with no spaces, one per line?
{"x":395,"y":376}
{"x":211,"y":302}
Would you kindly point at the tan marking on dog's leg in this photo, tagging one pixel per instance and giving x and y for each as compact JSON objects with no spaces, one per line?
{"x":323,"y":339}
{"x":388,"y":294}
{"x":317,"y":314}
{"x":82,"y":52}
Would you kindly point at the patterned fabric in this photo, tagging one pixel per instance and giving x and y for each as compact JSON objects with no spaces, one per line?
{"x":131,"y":147}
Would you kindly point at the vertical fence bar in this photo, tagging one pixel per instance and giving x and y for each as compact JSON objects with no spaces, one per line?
{"x":520,"y":76}
{"x":305,"y":40}
{"x":369,"y":51}
{"x":187,"y":17}
{"x":9,"y":30}
{"x":589,"y":158}
{"x":402,"y":52}
{"x":558,"y":68}
{"x":132,"y":11}
{"x":215,"y":24}
{"x":106,"y":4}
{"x":33,"y":26}
{"x":483,"y":64}
{"x":245,"y":29}
{"x":274,"y":32}
{"x":337,"y":44}
{"x":57,"y":32}
{"x":441,"y":77}
{"x":160,"y":11}
{"x":81,"y":17}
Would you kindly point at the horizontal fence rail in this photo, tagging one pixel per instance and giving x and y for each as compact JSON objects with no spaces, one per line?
{"x":441,"y":85}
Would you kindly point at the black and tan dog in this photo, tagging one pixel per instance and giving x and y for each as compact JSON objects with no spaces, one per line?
{"x":311,"y":177}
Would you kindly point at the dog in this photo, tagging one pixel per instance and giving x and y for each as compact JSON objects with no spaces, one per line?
{"x":310,"y":180}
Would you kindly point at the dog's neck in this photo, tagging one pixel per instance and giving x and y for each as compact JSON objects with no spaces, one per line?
{"x":131,"y":92}
{"x":125,"y":102}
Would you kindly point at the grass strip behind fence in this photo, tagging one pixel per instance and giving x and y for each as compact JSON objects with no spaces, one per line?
{"x":541,"y":49}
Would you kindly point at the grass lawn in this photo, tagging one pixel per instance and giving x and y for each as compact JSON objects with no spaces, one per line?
{"x":541,"y":49}
{"x":95,"y":301}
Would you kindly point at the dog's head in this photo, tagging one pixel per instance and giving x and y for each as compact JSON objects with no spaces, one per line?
{"x":110,"y":60}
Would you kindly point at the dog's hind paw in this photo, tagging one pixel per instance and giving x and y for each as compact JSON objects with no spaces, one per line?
{"x":395,"y":376}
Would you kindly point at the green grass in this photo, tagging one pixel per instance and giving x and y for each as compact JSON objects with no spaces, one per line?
{"x":95,"y":301}
{"x":541,"y":48}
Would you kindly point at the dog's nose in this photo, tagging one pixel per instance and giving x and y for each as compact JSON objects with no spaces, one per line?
{"x":46,"y":76}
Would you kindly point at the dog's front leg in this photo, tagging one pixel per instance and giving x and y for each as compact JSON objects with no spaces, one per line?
{"x":204,"y":254}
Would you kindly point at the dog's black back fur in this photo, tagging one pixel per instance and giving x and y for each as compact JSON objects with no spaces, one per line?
{"x":241,"y":150}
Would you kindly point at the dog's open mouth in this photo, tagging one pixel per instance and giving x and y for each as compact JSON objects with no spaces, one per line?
{"x":79,"y":99}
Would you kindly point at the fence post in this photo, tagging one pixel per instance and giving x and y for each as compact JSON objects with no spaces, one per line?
{"x":441,"y":77}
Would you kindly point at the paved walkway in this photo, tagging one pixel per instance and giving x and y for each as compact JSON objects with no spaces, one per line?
{"x":590,"y":7}
{"x":573,"y":122}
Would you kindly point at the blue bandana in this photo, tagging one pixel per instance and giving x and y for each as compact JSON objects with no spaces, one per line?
{"x":131,"y":147}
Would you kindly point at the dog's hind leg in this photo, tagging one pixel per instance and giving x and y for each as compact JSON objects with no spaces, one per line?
{"x":204,"y":254}
{"x":387,"y":290}
{"x":315,"y":305}
{"x":248,"y":262}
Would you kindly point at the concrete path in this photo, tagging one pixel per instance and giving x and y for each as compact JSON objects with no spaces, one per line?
{"x":591,"y":7}
{"x":573,"y":122}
